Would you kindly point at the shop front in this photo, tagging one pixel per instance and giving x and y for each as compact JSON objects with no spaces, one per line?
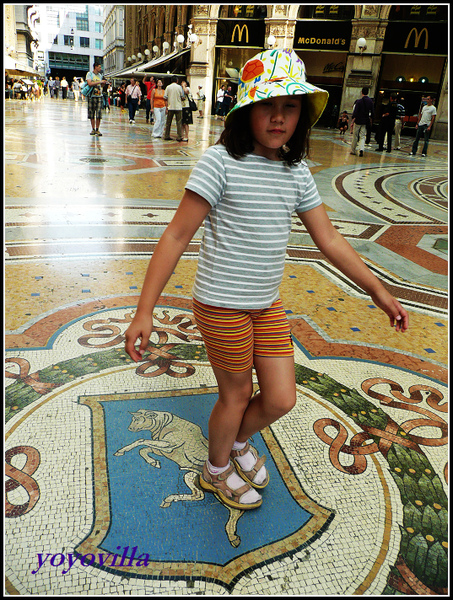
{"x":237,"y":41}
{"x":323,"y":46}
{"x":414,"y":59}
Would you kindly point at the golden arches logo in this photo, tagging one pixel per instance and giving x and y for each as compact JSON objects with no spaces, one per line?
{"x":240,"y":32}
{"x":417,"y":37}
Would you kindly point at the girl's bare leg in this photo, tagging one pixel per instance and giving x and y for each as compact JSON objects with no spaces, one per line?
{"x":235,"y":390}
{"x":277,"y":395}
{"x":236,"y":416}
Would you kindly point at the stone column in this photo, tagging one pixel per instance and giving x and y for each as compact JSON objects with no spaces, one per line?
{"x":202,"y":56}
{"x":281,"y":25}
{"x":440,"y":127}
{"x":362,"y":69}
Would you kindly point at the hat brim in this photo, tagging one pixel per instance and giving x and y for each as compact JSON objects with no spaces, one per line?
{"x":316,"y":97}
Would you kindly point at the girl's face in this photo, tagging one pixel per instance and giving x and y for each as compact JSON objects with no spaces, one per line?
{"x":272,"y":123}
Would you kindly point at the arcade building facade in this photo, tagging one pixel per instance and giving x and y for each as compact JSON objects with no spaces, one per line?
{"x":399,"y":49}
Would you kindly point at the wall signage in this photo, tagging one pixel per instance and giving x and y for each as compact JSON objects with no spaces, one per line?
{"x":241,"y":33}
{"x":322,"y":35}
{"x":416,"y":38}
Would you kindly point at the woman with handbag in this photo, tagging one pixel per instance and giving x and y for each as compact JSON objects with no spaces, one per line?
{"x":187,"y":109}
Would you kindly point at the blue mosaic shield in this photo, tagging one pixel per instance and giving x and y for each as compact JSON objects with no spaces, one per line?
{"x":148,"y":451}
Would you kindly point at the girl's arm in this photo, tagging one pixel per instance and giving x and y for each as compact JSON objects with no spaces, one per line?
{"x":343,"y":256}
{"x":188,"y":218}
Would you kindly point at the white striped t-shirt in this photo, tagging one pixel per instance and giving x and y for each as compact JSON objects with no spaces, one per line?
{"x":242,"y":254}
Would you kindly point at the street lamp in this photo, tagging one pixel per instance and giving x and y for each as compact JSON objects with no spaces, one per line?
{"x":271,"y":41}
{"x":361,"y":43}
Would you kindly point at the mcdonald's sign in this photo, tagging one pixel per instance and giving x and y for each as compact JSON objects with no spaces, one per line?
{"x":416,"y":38}
{"x":241,"y":33}
{"x":240,"y":30}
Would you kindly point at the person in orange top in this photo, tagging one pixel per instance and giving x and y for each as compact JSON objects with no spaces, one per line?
{"x":158,"y":109}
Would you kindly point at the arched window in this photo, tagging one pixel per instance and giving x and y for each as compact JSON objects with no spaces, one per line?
{"x":340,"y":12}
{"x":243,"y":11}
{"x":418,"y":12}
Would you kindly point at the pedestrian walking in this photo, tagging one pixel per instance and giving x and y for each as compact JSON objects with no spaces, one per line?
{"x":174,"y":96}
{"x":51,"y":85}
{"x":95,"y":99}
{"x":219,"y":101}
{"x":362,"y":118}
{"x":150,"y":84}
{"x":57,"y":88}
{"x":387,"y":124}
{"x":64,"y":87}
{"x":424,"y":125}
{"x":76,"y":88}
{"x":133,"y":96}
{"x":187,"y":118}
{"x":200,"y":99}
{"x":253,"y":177}
{"x":226,"y":102}
{"x":158,"y":109}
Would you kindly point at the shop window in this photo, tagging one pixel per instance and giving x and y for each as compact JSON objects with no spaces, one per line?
{"x":340,"y":12}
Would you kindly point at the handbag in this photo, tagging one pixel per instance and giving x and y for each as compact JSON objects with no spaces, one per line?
{"x":87,"y":90}
{"x":192,"y":104}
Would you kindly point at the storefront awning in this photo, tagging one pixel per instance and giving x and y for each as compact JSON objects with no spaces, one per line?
{"x":126,"y":72}
{"x":150,"y":67}
{"x":152,"y":64}
{"x":15,"y":68}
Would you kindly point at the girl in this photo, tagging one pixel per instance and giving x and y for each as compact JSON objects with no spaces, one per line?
{"x":246,"y":187}
{"x":158,"y":109}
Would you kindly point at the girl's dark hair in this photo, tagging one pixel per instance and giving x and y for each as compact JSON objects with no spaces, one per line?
{"x":237,"y":136}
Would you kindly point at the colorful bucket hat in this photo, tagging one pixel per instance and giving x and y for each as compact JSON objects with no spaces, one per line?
{"x":273,"y":73}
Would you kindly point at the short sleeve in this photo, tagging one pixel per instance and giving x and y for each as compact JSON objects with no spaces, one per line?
{"x":309,"y":197}
{"x":208,"y":176}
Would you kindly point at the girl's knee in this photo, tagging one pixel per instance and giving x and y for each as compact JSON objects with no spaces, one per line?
{"x":287,"y":402}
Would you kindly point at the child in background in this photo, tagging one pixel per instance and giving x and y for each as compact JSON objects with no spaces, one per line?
{"x":343,"y":122}
{"x":246,"y":188}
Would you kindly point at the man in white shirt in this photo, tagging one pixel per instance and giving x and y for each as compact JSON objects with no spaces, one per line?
{"x":219,"y":101}
{"x":174,"y":95}
{"x":424,"y":124}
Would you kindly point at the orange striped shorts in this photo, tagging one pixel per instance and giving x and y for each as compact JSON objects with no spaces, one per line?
{"x":232,"y":337}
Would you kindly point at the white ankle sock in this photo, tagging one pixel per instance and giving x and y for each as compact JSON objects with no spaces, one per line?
{"x":239,"y":445}
{"x":235,"y":482}
{"x":247,"y":462}
{"x":216,"y":470}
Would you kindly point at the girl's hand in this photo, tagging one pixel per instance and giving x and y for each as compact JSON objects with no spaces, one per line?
{"x":397,"y":314}
{"x":141,"y":327}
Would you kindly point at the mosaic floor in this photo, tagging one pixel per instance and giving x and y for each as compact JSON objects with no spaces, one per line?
{"x":98,"y":504}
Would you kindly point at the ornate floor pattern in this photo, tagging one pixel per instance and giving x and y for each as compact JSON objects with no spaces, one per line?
{"x":103,"y":454}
